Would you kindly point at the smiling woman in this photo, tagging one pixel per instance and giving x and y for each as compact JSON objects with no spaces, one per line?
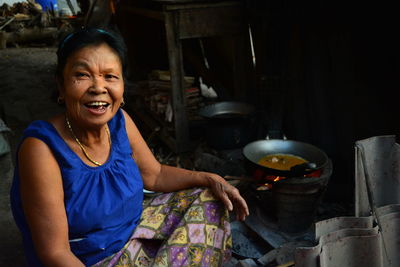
{"x":92,"y":90}
{"x":77,"y":194}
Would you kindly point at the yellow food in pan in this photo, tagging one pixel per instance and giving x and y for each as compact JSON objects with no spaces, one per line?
{"x":281,"y":162}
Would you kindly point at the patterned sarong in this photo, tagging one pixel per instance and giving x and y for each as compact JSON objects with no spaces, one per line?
{"x":185,"y":228}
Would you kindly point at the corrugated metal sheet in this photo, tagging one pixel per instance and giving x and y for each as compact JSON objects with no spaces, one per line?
{"x":378,"y":169}
{"x":373,"y":238}
{"x":389,"y":218}
{"x":377,"y":175}
{"x":341,"y":241}
{"x":354,"y":242}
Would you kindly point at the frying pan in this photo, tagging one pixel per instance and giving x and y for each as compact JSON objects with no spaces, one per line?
{"x":254,"y":151}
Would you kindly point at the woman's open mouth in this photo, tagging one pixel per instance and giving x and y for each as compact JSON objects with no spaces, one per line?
{"x":97,"y":107}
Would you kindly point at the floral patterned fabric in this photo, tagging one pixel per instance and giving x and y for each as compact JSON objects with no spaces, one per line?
{"x":185,"y":228}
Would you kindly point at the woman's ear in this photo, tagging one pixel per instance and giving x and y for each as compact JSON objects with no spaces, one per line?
{"x":60,"y":91}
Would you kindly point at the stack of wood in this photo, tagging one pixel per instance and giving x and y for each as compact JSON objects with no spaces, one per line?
{"x":158,"y":96}
{"x":26,"y":22}
{"x":21,"y":9}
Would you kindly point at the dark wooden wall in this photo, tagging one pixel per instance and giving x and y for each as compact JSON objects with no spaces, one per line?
{"x":337,"y":66}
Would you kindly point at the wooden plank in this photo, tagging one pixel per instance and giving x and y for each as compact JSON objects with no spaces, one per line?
{"x":208,"y":21}
{"x":6,"y":23}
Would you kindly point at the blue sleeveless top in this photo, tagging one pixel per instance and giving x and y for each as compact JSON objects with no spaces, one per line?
{"x":103,"y":204}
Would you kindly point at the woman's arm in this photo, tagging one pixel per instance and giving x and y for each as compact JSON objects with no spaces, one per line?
{"x":42,"y":198}
{"x":163,"y":178}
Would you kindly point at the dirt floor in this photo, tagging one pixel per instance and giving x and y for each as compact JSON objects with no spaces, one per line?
{"x":26,"y":85}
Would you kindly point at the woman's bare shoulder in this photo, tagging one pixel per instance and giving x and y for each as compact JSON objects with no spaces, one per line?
{"x":35,"y":159}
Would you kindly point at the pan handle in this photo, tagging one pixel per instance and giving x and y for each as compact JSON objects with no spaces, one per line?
{"x":283,"y":137}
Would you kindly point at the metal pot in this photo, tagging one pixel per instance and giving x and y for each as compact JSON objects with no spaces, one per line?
{"x":229,"y":124}
{"x":254,"y":151}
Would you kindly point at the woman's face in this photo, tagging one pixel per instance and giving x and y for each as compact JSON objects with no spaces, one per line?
{"x":93,"y":85}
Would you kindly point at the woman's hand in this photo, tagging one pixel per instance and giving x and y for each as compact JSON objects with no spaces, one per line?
{"x":229,"y":195}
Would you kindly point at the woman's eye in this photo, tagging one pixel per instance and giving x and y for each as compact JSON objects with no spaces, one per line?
{"x":81,"y":75}
{"x":111,"y":77}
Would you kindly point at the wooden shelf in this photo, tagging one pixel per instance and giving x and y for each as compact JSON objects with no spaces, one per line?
{"x":185,"y":21}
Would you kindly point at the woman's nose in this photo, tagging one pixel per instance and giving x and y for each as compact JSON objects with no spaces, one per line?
{"x":98,"y":86}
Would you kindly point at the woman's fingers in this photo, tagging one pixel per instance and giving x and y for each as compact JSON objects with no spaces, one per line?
{"x":241,"y":208}
{"x":221,"y":194}
{"x":230,"y":196}
{"x":240,"y":205}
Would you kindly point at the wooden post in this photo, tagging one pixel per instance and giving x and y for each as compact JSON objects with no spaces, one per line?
{"x":178,"y":95}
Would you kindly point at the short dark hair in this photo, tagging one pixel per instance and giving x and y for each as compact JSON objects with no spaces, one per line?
{"x":86,"y":37}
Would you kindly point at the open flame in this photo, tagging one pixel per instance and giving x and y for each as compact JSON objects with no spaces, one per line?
{"x":270,"y":179}
{"x":278,"y":178}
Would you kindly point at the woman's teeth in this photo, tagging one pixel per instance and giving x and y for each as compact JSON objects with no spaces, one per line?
{"x":97,"y":105}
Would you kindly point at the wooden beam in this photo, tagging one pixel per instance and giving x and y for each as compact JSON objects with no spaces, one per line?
{"x":144,"y":12}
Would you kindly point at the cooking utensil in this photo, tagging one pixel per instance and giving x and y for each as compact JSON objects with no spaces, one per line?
{"x":229,"y":124}
{"x":254,"y":151}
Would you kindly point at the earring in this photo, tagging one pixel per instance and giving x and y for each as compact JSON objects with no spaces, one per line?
{"x":122,"y":103}
{"x":60,"y":100}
